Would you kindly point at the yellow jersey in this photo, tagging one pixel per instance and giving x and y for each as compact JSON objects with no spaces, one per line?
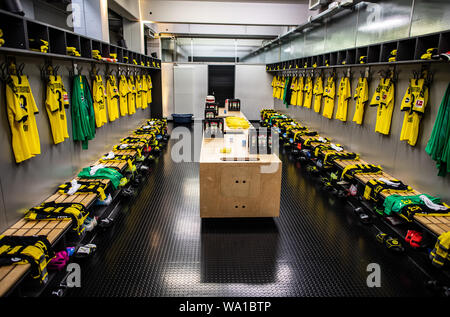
{"x":112,"y":96}
{"x":344,"y":94}
{"x":131,"y":95}
{"x":384,"y":100}
{"x":274,"y":86}
{"x":282,"y":84}
{"x":138,"y":92}
{"x":98,"y":96}
{"x":361,"y":97}
{"x":329,"y":95}
{"x":149,"y":92}
{"x":56,"y":101}
{"x":300,"y":86}
{"x":413,"y":104}
{"x":145,"y":91}
{"x":279,"y":87}
{"x":20,"y":109}
{"x":123,"y":95}
{"x":293,"y":100}
{"x":318,"y":92}
{"x":307,"y":90}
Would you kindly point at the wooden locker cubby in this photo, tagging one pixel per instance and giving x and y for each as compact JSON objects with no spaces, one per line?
{"x":112,"y":50}
{"x":119,"y":54}
{"x":406,"y":49}
{"x":386,"y":49}
{"x":73,"y":40}
{"x":444,"y":42}
{"x":86,"y":47}
{"x":318,"y":60}
{"x":424,"y":43}
{"x":37,"y":32}
{"x":57,"y":40}
{"x":14,"y":31}
{"x":362,"y":51}
{"x":96,"y":45}
{"x":350,"y":57}
{"x":341,"y":57}
{"x":374,"y":54}
{"x":104,"y":50}
{"x":333,"y":58}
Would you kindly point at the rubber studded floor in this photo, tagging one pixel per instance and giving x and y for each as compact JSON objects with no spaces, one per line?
{"x":159,"y":246}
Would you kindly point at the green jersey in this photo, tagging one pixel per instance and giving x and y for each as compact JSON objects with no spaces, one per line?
{"x":83,"y":119}
{"x":102,"y":173}
{"x":395,"y":203}
{"x":438,"y":146}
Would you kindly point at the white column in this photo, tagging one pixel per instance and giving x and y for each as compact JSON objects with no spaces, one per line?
{"x":93,"y":18}
{"x":133,"y":33}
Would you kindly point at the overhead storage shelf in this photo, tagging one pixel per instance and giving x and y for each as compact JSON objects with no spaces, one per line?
{"x":409,"y":51}
{"x":19,"y":32}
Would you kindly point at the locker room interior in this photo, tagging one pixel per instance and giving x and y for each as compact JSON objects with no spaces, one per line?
{"x":159,"y":237}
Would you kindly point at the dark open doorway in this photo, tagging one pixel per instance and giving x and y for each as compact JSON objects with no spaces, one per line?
{"x":221,"y":82}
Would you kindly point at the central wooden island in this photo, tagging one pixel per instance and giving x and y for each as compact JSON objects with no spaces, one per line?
{"x":237,"y":183}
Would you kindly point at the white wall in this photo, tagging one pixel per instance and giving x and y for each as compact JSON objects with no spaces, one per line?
{"x":250,"y":81}
{"x":133,"y":33}
{"x":224,"y":12}
{"x":231,"y":30}
{"x":127,"y":8}
{"x":190,"y":89}
{"x":93,"y":18}
{"x":167,"y":90}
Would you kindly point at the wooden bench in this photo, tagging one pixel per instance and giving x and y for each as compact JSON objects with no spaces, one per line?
{"x":344,"y":163}
{"x":435,"y":224}
{"x":438,"y":225}
{"x":53,"y":229}
{"x":10,"y":275}
{"x":142,"y":136}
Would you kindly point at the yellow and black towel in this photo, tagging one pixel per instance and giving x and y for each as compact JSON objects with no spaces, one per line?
{"x":351,"y":170}
{"x":89,"y":187}
{"x":375,"y":187}
{"x":35,"y":250}
{"x":57,"y":211}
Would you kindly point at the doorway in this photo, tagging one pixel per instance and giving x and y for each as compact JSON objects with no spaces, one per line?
{"x":221,"y":82}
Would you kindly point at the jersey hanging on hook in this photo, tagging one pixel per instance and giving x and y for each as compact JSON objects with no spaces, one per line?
{"x":344,"y":95}
{"x":149,"y":91}
{"x":318,"y":93}
{"x":413,"y":105}
{"x":361,"y":97}
{"x":99,"y":98}
{"x":308,"y":90}
{"x":144,"y":99}
{"x":274,"y":86}
{"x":300,"y":86}
{"x":139,"y":90}
{"x":112,"y":95}
{"x":21,"y":109}
{"x":82,"y":111}
{"x":293,"y":88}
{"x":56,"y":103}
{"x":124,"y":90}
{"x":329,"y":95}
{"x":383,"y":99}
{"x":131,"y":95}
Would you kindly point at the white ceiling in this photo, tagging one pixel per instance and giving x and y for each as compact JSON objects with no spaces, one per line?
{"x":250,"y":1}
